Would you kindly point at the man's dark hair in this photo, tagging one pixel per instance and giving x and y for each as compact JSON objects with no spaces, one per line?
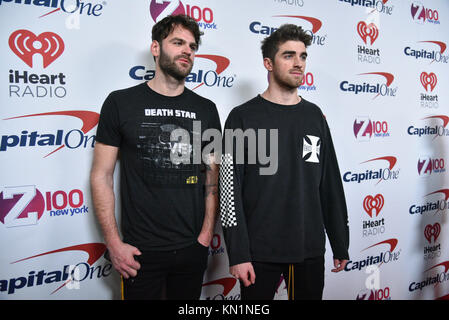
{"x":164,"y":27}
{"x":286,"y":32}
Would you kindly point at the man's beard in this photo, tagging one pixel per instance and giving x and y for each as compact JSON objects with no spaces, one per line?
{"x":285,"y":81}
{"x":168,"y":66}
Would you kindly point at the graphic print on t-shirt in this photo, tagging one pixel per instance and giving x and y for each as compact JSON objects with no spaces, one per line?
{"x":311,"y":148}
{"x":156,"y":150}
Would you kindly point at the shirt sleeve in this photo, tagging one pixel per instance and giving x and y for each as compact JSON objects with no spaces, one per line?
{"x":108,"y":130}
{"x":231,"y":203}
{"x":333,"y":201}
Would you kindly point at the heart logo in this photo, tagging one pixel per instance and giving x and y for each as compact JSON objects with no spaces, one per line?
{"x":373,"y":205}
{"x":428,"y":79}
{"x":366,"y":31}
{"x":25,"y":44}
{"x":432,"y":231}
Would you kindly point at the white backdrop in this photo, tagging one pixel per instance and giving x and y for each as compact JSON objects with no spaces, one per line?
{"x":377,"y":69}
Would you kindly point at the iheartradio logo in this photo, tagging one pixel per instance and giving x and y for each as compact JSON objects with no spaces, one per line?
{"x":432,"y":231}
{"x":373,"y":205}
{"x":428,"y":79}
{"x":25,"y":44}
{"x":366,"y":31}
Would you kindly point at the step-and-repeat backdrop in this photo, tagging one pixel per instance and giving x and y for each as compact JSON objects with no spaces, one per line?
{"x":378,"y":69}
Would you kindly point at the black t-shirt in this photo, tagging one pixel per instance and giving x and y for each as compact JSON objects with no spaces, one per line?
{"x":162,"y":200}
{"x":282,"y":217}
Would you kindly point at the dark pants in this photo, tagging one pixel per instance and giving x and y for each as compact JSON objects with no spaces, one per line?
{"x":304,"y":281}
{"x":172,"y":275}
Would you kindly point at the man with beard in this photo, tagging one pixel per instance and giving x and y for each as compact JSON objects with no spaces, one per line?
{"x":275,"y":224}
{"x":168,"y":206}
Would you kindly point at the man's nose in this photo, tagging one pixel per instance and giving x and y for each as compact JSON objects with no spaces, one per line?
{"x":187,"y":50}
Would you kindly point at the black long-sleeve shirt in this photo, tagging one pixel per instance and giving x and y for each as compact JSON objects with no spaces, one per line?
{"x":282,"y":217}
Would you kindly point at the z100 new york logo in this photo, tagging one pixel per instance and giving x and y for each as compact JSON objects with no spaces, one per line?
{"x":421,"y":14}
{"x":22,"y":206}
{"x":159,"y":9}
{"x":365,"y":128}
{"x":428,"y":166}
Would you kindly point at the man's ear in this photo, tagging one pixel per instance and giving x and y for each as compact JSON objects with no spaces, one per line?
{"x":268,"y":64}
{"x":155,"y":48}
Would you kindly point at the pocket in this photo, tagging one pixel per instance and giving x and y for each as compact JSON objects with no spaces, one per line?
{"x":201,"y":245}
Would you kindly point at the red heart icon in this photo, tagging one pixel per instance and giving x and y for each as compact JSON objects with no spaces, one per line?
{"x":428,"y":79}
{"x":432,"y":231}
{"x":373,"y":204}
{"x":366,"y":31}
{"x":25,"y":44}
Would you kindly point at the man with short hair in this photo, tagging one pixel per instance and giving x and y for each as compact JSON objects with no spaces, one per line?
{"x":168,"y":207}
{"x":275,"y":224}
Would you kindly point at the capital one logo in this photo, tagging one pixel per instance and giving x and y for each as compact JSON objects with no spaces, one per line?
{"x":390,"y":255}
{"x":226,"y":284}
{"x":316,"y":23}
{"x":436,"y":130}
{"x":25,"y":44}
{"x":436,"y":206}
{"x":376,"y":174}
{"x":311,"y":148}
{"x":68,"y":274}
{"x":383,"y":89}
{"x":432,"y":231}
{"x":428,"y":80}
{"x":429,"y":54}
{"x":73,"y":139}
{"x":435,"y":280}
{"x":373,"y":205}
{"x":259,"y":28}
{"x":210,"y":77}
{"x":367,"y":31}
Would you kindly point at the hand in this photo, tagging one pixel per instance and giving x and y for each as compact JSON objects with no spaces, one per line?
{"x":339,"y":265}
{"x":122,"y":258}
{"x":205,"y":238}
{"x":244,"y":272}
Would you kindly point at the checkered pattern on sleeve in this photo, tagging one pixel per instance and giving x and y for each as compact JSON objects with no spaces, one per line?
{"x":227,"y":206}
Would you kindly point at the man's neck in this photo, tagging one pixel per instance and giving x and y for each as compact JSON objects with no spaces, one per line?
{"x":166,"y":85}
{"x":280,"y":95}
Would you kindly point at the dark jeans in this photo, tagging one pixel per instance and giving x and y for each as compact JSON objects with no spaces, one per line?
{"x":172,"y":275}
{"x":305,"y":281}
